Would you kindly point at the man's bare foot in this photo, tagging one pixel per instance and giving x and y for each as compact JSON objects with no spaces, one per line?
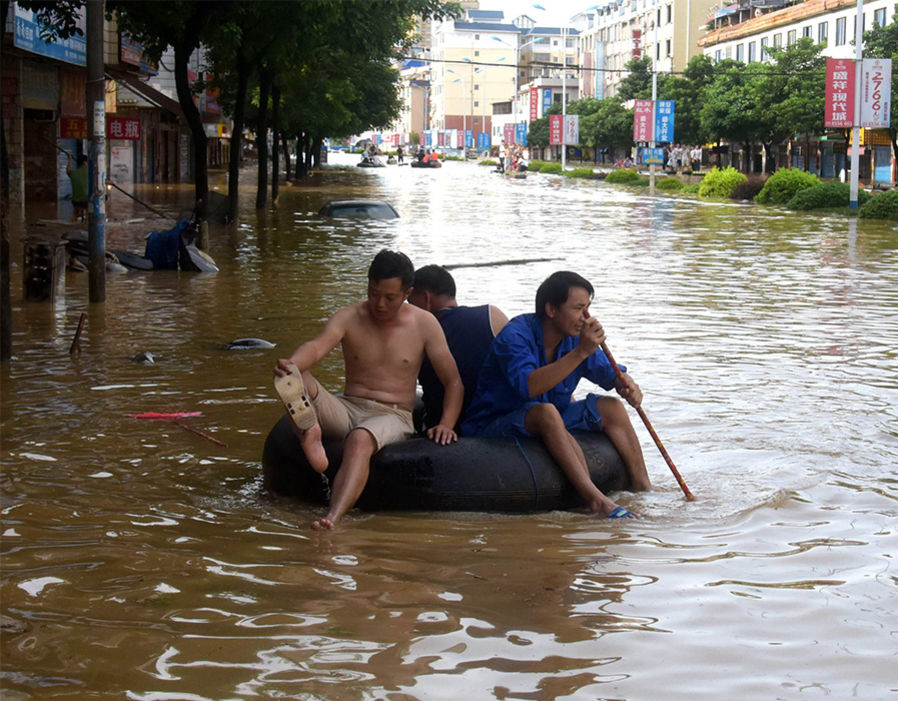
{"x":313,"y":448}
{"x":323,"y":524}
{"x":609,"y":509}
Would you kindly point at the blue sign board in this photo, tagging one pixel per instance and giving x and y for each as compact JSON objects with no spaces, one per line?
{"x":27,"y":37}
{"x":469,"y":138}
{"x":547,"y":100}
{"x":483,"y":141}
{"x":664,"y":121}
{"x":520,"y":133}
{"x":653,"y":156}
{"x":428,"y":139}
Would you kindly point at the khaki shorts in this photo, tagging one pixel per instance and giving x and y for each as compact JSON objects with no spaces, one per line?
{"x":338,"y":415}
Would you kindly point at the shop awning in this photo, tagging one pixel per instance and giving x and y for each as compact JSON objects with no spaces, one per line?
{"x":147,"y":92}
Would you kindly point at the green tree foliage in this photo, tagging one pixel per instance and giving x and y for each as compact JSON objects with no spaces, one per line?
{"x":607,"y":124}
{"x":688,"y":92}
{"x":637,"y":84}
{"x":538,"y":134}
{"x":825,"y":195}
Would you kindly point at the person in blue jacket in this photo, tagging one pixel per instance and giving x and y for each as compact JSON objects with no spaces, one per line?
{"x":526,"y":382}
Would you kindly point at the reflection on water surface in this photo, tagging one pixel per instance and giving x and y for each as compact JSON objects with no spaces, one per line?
{"x":140,"y":560}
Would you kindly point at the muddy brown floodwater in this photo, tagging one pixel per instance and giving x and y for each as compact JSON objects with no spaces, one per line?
{"x":141,"y":561}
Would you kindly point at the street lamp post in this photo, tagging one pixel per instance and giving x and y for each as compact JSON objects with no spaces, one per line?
{"x":517,"y":72}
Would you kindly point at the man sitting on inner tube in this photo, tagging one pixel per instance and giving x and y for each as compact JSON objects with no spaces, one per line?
{"x":469,"y":331}
{"x":384,"y":341}
{"x":525,"y":387}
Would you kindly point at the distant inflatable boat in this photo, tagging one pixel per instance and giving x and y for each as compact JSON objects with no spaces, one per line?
{"x":426,"y":164}
{"x":475,"y":474}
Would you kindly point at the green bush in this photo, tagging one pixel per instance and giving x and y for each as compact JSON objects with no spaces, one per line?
{"x":537,"y":165}
{"x":488,"y":162}
{"x":690,"y":188}
{"x":448,"y":157}
{"x":578,"y":173}
{"x":884,"y":206}
{"x":783,"y":184}
{"x":624,"y":176}
{"x":719,"y":184}
{"x":550,"y":168}
{"x":824,"y":195}
{"x":669,"y":183}
{"x":749,"y":189}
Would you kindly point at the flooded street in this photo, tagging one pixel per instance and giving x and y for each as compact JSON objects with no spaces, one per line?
{"x":142,"y":561}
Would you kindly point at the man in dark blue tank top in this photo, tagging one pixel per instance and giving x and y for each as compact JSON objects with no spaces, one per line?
{"x":469,"y":330}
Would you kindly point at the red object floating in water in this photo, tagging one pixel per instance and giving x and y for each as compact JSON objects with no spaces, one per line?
{"x":174,"y":415}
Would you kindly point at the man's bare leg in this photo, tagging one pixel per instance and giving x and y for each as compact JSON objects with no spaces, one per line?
{"x":311,"y":440}
{"x":617,"y":426}
{"x":351,"y":477}
{"x":543,"y":420}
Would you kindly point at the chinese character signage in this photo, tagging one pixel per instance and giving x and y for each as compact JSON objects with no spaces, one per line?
{"x":469,"y":138}
{"x":534,"y":104}
{"x":555,"y":130}
{"x":839,"y":93}
{"x":27,"y":37}
{"x":653,"y":156}
{"x":642,"y":120}
{"x":664,"y":121}
{"x":571,"y":129}
{"x":72,"y":128}
{"x":876,"y":92}
{"x":123,"y":128}
{"x":483,"y":141}
{"x":547,"y":100}
{"x":520,"y":135}
{"x":508,"y":133}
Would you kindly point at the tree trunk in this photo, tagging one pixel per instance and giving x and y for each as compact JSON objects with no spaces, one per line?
{"x":243,"y":71}
{"x":262,"y":139}
{"x":275,"y":141}
{"x":5,"y":303}
{"x":302,"y":162}
{"x":197,"y":130}
{"x":316,"y":151}
{"x":285,"y":145}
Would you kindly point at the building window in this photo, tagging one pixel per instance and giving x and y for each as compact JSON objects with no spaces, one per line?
{"x":822,"y":32}
{"x":476,"y":37}
{"x":778,"y":40}
{"x":668,"y":48}
{"x":791,"y":37}
{"x":477,"y":53}
{"x":764,"y":41}
{"x":657,"y":52}
{"x":476,"y":86}
{"x":840,"y":31}
{"x":740,"y":52}
{"x":807,"y":32}
{"x":476,"y":104}
{"x":751,"y":52}
{"x":670,"y":13}
{"x":879,"y":17}
{"x":718,"y":55}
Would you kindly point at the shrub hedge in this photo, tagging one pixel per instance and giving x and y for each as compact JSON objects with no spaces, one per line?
{"x":550,"y":168}
{"x":884,"y":206}
{"x":749,"y":189}
{"x":671,"y":183}
{"x":578,"y":173}
{"x":623,"y":176}
{"x":719,"y":184}
{"x":823,"y":195}
{"x":783,"y":184}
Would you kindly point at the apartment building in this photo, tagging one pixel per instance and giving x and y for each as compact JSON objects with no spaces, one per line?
{"x":830,"y":22}
{"x":613,"y":33}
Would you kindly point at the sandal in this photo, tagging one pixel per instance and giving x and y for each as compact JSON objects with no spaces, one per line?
{"x":292,"y":392}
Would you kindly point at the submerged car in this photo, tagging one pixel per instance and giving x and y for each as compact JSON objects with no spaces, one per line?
{"x":368,"y":209}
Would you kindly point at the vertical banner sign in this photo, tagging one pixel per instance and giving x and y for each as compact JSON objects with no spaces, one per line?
{"x":441,"y":138}
{"x":555,"y":130}
{"x":547,"y":100}
{"x":839,"y":93}
{"x":508,"y":133}
{"x":642,"y":120}
{"x":876,"y":92}
{"x":483,"y":141}
{"x":571,"y":129}
{"x":534,"y":104}
{"x":664,"y":121}
{"x":520,"y":135}
{"x":469,"y":138}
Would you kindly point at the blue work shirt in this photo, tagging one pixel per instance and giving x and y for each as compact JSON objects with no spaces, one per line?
{"x":517,"y":351}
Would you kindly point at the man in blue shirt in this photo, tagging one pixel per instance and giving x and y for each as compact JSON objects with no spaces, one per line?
{"x":526,"y":382}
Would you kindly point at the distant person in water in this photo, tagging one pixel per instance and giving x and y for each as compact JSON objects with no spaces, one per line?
{"x":80,"y":187}
{"x":383,"y":341}
{"x":469,"y":331}
{"x":527,"y":380}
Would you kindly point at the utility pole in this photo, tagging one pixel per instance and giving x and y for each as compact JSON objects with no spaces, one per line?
{"x":96,"y":107}
{"x":856,"y":131}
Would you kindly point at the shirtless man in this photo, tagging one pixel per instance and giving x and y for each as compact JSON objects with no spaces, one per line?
{"x":384,"y":341}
